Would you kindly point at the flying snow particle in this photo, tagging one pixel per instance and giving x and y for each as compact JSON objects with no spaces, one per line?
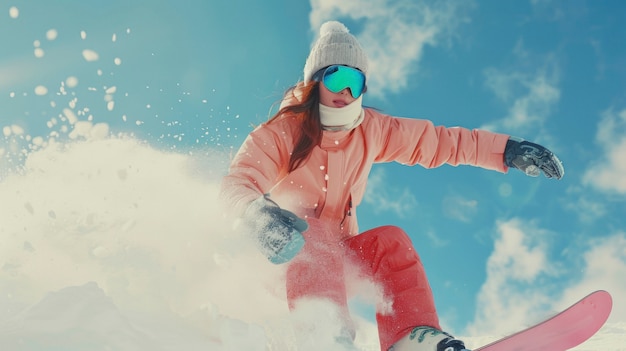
{"x":70,"y":115}
{"x":101,"y":252}
{"x":17,"y":130}
{"x":83,"y":34}
{"x":41,"y":90}
{"x":81,"y":129}
{"x":71,"y":82}
{"x":90,"y":55}
{"x":39,"y":53}
{"x":99,"y":131}
{"x":118,"y":61}
{"x":51,"y":34}
{"x":14,"y":12}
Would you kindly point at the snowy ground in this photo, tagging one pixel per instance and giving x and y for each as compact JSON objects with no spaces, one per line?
{"x":84,"y":318}
{"x":110,"y":244}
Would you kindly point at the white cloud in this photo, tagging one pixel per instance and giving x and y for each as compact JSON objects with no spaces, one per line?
{"x":384,"y":197}
{"x":523,"y":285}
{"x":587,"y":210}
{"x":505,"y":302}
{"x":531,"y":93}
{"x":460,"y":208}
{"x":394,"y":33}
{"x":604,"y":268}
{"x":436,"y":239}
{"x":531,"y":97}
{"x":607,"y":172}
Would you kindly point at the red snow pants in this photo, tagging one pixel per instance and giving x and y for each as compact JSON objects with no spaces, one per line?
{"x":385,"y":255}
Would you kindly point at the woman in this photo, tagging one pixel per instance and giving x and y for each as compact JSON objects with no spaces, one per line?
{"x":298,"y":178}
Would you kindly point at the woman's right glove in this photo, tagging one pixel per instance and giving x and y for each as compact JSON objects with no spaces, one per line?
{"x":278,"y":231}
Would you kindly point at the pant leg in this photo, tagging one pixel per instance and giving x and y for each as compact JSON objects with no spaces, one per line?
{"x":386,"y":254}
{"x":318,"y":271}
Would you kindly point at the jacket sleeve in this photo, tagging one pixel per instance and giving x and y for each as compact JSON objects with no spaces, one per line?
{"x":254,"y":170}
{"x":414,"y":141}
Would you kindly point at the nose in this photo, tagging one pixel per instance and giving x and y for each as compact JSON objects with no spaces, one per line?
{"x":346,"y":91}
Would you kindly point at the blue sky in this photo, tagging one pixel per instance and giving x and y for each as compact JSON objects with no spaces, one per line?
{"x":195,"y":76}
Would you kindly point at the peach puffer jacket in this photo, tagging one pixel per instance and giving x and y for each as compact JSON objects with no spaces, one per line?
{"x":331,"y":183}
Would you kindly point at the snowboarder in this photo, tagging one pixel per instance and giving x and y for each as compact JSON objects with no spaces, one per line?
{"x":298,"y":178}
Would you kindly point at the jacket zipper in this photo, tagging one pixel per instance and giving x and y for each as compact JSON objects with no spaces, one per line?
{"x":347,"y":212}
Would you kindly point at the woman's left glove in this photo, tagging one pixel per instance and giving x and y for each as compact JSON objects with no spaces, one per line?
{"x":532,"y":158}
{"x":278,"y":231}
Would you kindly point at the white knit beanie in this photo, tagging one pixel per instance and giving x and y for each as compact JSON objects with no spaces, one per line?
{"x":335,"y":46}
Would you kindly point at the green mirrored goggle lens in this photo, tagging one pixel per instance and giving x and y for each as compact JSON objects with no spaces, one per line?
{"x":336,"y":78}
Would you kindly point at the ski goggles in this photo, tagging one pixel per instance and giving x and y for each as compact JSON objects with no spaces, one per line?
{"x":337,"y":77}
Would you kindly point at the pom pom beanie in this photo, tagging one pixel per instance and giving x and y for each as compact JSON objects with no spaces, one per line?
{"x":335,"y":46}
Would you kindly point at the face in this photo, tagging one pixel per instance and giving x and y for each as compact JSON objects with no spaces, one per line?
{"x":337,"y":100}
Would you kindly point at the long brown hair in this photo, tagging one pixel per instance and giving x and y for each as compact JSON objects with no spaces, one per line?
{"x":307,"y":111}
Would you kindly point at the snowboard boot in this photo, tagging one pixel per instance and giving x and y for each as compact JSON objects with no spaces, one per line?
{"x":346,"y":339}
{"x":428,"y":339}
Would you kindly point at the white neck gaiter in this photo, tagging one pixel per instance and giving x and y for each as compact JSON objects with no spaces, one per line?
{"x":342,"y":118}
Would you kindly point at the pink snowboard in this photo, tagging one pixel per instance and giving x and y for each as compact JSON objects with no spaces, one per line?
{"x":567,"y":329}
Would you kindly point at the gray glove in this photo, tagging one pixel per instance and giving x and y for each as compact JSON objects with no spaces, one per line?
{"x":278,"y":231}
{"x":532,"y":159}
